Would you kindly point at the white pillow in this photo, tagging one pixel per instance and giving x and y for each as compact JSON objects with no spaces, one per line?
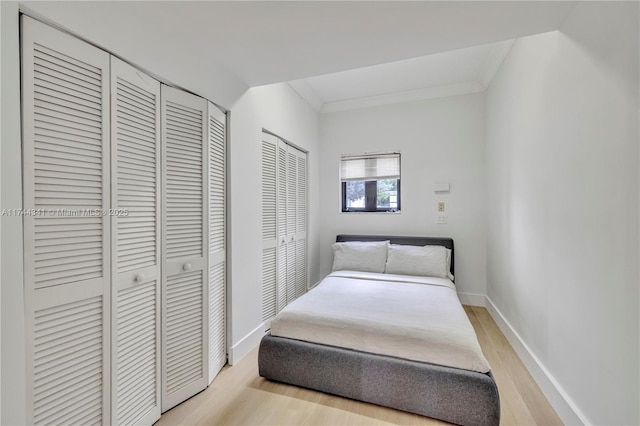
{"x":449,"y":274}
{"x":425,"y":261}
{"x":360,"y":256}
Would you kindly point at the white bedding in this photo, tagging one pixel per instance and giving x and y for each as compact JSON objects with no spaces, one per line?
{"x":416,"y":318}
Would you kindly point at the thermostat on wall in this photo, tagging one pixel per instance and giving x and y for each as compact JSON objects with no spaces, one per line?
{"x":441,"y":187}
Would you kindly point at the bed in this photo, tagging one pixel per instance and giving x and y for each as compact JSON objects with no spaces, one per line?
{"x":412,"y":361}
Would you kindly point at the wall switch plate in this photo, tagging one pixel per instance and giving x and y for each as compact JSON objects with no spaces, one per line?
{"x":441,"y":187}
{"x":442,"y":219}
{"x":441,"y":206}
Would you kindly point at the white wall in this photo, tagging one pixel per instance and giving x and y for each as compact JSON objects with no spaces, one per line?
{"x":279,"y":109}
{"x":562,"y":179}
{"x":440,"y":140}
{"x":12,"y":321}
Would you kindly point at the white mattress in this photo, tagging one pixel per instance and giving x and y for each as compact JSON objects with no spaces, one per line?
{"x":416,"y":318}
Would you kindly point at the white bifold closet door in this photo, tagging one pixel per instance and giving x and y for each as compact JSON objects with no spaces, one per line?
{"x":269,"y":227}
{"x":216,"y":162}
{"x":135,"y":200}
{"x":124,"y":234}
{"x":300,"y":234}
{"x":286,"y":250}
{"x":65,"y":97}
{"x":185,"y":251}
{"x":296,"y":237}
{"x":284,"y":222}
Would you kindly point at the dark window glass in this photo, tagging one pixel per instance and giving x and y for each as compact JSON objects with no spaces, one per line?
{"x":381,"y":195}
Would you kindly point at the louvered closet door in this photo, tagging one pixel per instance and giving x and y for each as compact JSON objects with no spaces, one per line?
{"x":217,"y":240}
{"x":296,"y":238}
{"x":300,"y":285}
{"x":269,"y":227}
{"x":284,"y":225}
{"x":66,"y":236}
{"x":184,"y":251}
{"x":135,"y":198}
{"x":292,"y":220}
{"x":282,"y":273}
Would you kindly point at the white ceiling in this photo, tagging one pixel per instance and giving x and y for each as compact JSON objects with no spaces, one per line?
{"x":265,"y":42}
{"x":449,"y":73}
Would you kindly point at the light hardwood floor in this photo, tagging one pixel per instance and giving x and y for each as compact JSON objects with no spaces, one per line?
{"x":238,"y":396}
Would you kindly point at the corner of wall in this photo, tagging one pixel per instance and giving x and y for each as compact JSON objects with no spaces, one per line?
{"x":279,"y":109}
{"x":473,"y":299}
{"x":246,"y":344}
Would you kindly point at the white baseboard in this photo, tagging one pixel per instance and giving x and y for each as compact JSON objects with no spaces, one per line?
{"x":558,"y":398}
{"x":472,"y":299}
{"x":316,"y":283}
{"x":246,"y":344}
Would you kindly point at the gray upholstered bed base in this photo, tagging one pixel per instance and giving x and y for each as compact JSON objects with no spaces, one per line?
{"x":457,"y":396}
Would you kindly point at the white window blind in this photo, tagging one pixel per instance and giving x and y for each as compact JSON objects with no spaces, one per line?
{"x":370,"y":167}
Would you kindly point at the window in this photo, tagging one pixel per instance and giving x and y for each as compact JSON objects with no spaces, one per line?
{"x":370,"y":182}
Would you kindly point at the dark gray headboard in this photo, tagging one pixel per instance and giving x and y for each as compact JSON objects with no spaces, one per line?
{"x":408,"y":241}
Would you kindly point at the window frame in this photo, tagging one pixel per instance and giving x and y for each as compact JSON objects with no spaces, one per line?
{"x":369,"y":169}
{"x":370,"y":198}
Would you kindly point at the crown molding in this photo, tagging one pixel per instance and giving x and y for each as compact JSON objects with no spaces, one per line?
{"x":406,"y":96}
{"x":485,"y":76}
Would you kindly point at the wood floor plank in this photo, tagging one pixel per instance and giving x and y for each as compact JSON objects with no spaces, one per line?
{"x":238,"y":396}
